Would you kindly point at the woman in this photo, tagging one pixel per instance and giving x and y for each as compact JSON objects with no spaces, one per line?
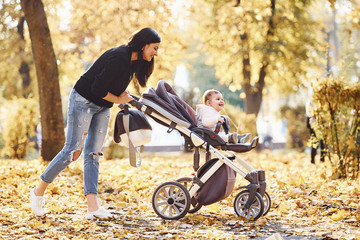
{"x":102,"y":85}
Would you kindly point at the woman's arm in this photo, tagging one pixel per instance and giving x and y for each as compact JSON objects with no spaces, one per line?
{"x":123,"y":98}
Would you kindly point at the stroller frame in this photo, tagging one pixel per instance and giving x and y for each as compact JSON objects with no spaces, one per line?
{"x":173,"y":200}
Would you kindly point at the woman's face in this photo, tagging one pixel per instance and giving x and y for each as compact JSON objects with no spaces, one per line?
{"x":216,"y":101}
{"x":150,"y":50}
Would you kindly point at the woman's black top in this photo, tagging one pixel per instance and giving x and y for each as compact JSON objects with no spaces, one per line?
{"x":111,"y":72}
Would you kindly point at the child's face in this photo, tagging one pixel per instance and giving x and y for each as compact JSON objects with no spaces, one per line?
{"x":216,"y":101}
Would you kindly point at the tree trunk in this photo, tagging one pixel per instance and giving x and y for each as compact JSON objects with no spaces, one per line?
{"x":52,"y":126}
{"x":24,"y":67}
{"x":247,"y":74}
{"x":253,"y":94}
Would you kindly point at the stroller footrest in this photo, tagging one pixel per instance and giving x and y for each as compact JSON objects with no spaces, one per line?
{"x":236,"y":147}
{"x":241,"y":147}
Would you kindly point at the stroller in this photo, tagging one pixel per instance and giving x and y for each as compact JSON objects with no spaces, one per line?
{"x":215,"y":179}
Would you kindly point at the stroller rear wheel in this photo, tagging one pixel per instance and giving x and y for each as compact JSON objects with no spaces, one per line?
{"x":171,"y":201}
{"x":256,"y":208}
{"x":187,"y":182}
{"x":267,"y":203}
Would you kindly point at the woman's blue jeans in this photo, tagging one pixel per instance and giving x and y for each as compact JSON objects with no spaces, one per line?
{"x":87,"y":123}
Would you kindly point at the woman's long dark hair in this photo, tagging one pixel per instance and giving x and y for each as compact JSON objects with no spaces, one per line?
{"x":143,"y":69}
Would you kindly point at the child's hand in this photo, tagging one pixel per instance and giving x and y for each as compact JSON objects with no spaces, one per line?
{"x":221,"y":119}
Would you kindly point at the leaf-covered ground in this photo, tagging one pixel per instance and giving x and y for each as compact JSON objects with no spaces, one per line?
{"x":307,"y":203}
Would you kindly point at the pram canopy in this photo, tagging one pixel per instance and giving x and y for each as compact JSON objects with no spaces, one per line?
{"x":165,"y":101}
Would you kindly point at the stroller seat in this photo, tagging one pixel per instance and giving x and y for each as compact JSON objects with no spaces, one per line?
{"x":215,"y":140}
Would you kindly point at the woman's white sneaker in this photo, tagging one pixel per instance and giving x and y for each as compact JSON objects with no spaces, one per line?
{"x":37,"y":203}
{"x":101,"y":213}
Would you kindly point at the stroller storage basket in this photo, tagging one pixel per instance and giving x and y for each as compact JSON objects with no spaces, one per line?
{"x":218,"y":187}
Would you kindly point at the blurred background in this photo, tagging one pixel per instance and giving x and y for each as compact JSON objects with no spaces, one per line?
{"x":268,"y":58}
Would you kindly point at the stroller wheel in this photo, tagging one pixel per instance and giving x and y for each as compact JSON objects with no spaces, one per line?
{"x":255,"y":210}
{"x":171,"y":201}
{"x":267,"y":203}
{"x":187,"y":182}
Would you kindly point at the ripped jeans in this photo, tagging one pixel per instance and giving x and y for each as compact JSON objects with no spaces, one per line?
{"x":87,"y":123}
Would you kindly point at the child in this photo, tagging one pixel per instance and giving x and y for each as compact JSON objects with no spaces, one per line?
{"x":208,"y":115}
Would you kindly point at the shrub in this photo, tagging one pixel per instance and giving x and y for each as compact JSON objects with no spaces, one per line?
{"x":337,"y":112}
{"x":19,"y":120}
{"x":297,"y":132}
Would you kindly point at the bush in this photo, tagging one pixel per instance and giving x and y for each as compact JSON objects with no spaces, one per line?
{"x":19,"y":120}
{"x":297,"y":132}
{"x":337,"y":112}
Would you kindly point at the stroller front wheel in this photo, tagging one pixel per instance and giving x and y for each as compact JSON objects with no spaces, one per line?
{"x":256,"y":208}
{"x":171,"y":201}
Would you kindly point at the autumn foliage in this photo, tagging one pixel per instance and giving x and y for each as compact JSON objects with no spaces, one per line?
{"x":337,"y":110}
{"x":19,"y":118}
{"x":305,"y":202}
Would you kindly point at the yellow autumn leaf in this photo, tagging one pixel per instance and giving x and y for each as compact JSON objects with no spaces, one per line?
{"x":357,"y":216}
{"x":283,"y":207}
{"x":36,"y":224}
{"x":313,"y":219}
{"x":213,"y":207}
{"x":55,"y":208}
{"x":198,"y":218}
{"x":339,"y":215}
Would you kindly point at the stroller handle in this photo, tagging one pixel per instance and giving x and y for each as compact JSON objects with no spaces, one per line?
{"x":135,"y":97}
{"x":135,"y":102}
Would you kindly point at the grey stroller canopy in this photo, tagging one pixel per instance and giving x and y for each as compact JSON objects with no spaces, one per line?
{"x":165,"y":101}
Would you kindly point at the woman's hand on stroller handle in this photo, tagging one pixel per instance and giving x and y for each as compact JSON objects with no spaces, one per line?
{"x":134,"y":102}
{"x":123,"y":98}
{"x":135,"y":97}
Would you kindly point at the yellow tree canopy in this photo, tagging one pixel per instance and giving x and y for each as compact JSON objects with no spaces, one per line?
{"x":81,"y":31}
{"x":284,"y":38}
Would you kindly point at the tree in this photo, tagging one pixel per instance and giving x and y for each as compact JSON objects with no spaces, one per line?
{"x":15,"y":63}
{"x":52,"y":125}
{"x":24,"y":67}
{"x":254,"y":43}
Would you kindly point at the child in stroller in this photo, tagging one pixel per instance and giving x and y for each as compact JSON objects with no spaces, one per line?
{"x":208,"y":115}
{"x":215,"y":179}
